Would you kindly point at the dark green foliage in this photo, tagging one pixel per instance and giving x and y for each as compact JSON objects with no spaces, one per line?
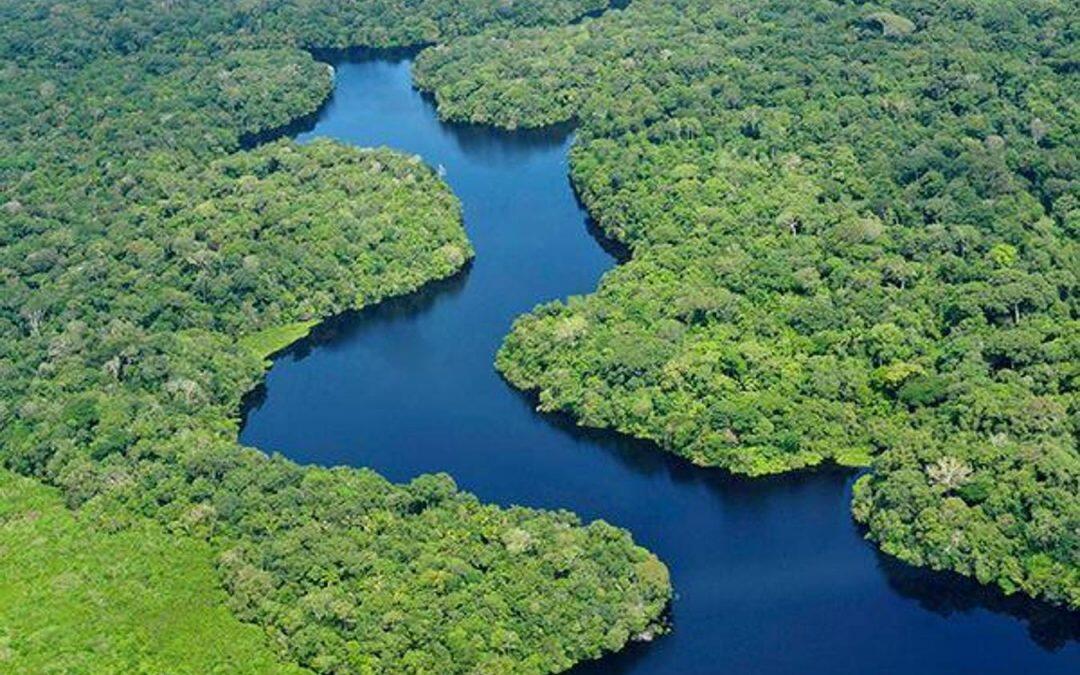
{"x":854,"y":234}
{"x":149,"y":266}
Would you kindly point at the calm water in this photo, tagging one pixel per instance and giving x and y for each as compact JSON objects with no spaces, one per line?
{"x":772,"y":575}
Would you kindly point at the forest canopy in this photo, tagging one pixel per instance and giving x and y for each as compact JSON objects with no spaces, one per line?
{"x":855,"y":235}
{"x":151,"y":260}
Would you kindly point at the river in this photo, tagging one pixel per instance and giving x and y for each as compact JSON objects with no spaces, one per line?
{"x":772,"y":576}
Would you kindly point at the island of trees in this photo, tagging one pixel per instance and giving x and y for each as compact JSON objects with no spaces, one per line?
{"x":150,"y":265}
{"x":855,"y":233}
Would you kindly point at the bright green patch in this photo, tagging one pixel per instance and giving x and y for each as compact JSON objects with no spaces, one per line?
{"x":854,"y":457}
{"x":269,"y":341}
{"x":73,"y":599}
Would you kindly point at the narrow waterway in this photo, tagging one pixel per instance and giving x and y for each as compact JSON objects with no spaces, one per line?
{"x":772,"y":575}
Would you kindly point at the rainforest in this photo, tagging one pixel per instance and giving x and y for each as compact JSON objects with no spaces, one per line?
{"x":836,"y":240}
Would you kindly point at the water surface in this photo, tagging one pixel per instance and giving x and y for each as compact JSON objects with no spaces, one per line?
{"x":772,"y":575}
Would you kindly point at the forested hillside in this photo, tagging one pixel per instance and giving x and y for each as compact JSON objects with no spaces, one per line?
{"x":854,"y":230}
{"x":150,"y":264}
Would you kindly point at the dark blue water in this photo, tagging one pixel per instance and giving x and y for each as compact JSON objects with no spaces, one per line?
{"x":772,"y":575}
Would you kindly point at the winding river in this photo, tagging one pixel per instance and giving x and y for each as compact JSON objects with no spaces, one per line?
{"x":772,"y":575}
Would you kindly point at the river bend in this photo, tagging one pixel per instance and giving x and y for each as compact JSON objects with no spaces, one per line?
{"x":772,"y":575}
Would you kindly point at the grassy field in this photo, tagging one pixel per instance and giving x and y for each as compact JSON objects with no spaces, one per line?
{"x":77,"y":600}
{"x":267,"y":342}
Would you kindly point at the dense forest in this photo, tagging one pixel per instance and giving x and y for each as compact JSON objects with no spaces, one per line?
{"x":854,"y":234}
{"x":151,"y":261}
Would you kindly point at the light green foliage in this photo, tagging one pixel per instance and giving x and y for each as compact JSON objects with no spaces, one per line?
{"x":269,"y":341}
{"x":75,"y":598}
{"x":844,"y":244}
{"x":149,"y":266}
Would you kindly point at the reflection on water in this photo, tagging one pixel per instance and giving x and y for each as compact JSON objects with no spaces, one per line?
{"x":772,"y":575}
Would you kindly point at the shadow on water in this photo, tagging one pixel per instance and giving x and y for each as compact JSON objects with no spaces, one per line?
{"x":947,"y":594}
{"x":474,"y":139}
{"x":596,"y":13}
{"x":619,"y":252}
{"x":626,"y":660}
{"x":335,"y":56}
{"x":645,"y":458}
{"x":299,"y":125}
{"x":350,"y":326}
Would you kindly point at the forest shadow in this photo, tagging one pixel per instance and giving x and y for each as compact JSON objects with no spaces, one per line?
{"x":646,"y":458}
{"x":338,"y":55}
{"x":291,"y":129}
{"x":480,"y":140}
{"x":597,"y":13}
{"x":620,"y":251}
{"x":622,"y":661}
{"x":948,"y":593}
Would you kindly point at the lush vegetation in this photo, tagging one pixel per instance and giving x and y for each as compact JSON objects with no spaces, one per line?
{"x":77,"y":32}
{"x":150,"y":265}
{"x":77,"y":599}
{"x":855,"y":237}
